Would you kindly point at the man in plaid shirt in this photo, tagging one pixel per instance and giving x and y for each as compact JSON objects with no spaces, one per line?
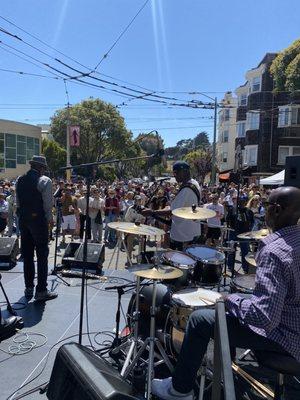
{"x":270,"y":319}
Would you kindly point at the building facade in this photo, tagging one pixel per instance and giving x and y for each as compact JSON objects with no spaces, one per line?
{"x":267,"y":123}
{"x":18,"y":143}
{"x":226,"y":133}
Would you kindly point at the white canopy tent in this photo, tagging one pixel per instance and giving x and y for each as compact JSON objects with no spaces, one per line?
{"x":277,"y":179}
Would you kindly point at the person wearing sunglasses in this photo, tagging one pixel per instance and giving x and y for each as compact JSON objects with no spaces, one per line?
{"x":269,"y":319}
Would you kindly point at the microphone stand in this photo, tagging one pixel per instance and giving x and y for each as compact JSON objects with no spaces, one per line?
{"x":88,"y":173}
{"x":58,"y":220}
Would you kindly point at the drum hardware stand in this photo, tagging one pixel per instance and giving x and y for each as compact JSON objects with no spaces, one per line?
{"x":117,"y":249}
{"x":9,"y":307}
{"x":246,"y":353}
{"x":150,"y":342}
{"x":55,"y":268}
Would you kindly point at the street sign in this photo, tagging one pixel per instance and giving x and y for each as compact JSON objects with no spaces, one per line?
{"x":74,"y":135}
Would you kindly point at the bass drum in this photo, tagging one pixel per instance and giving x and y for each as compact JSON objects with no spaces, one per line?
{"x":184,"y":303}
{"x":163,"y":304}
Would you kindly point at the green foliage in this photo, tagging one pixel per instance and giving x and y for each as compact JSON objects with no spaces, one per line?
{"x":200,"y":162}
{"x":102,"y":130}
{"x":286,"y":68}
{"x":185,"y":146}
{"x":56,"y":155}
{"x":103,"y":135}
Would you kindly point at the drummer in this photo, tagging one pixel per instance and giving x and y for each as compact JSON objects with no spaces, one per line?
{"x":183,"y":231}
{"x":269,"y":320}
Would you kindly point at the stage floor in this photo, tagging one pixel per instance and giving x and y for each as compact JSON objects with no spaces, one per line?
{"x":59,"y":320}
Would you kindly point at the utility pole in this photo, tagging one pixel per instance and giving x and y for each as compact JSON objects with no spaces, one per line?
{"x":68,"y":171}
{"x":214,"y":155}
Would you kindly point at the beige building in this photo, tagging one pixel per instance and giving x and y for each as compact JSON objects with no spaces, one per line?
{"x":18,"y":143}
{"x":227,"y":133}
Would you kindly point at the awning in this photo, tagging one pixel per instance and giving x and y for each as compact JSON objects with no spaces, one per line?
{"x":224,"y":177}
{"x":277,"y":179}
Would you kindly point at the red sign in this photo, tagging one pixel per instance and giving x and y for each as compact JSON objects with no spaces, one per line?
{"x":74,"y":135}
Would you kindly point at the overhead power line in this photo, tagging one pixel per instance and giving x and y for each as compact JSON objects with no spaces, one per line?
{"x":121,"y":35}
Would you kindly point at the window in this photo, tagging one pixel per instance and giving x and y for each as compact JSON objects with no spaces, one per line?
{"x":224,"y":157}
{"x":252,"y":120}
{"x":288,"y":116}
{"x":225,"y":136}
{"x":226,"y":114}
{"x":283,"y":116}
{"x":285,"y":151}
{"x":10,"y":150}
{"x":255,"y":84}
{"x":241,"y":129}
{"x":2,"y":150}
{"x":250,"y":157}
{"x":295,"y":117}
{"x":242,"y":99}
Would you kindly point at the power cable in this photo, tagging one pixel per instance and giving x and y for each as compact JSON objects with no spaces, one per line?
{"x":121,"y":35}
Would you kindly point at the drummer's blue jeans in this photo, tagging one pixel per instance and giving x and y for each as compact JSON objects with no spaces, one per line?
{"x":200,"y":330}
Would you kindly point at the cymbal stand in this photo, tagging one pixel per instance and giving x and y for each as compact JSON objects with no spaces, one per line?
{"x":9,"y":306}
{"x":117,"y":249}
{"x":150,"y":343}
{"x":134,"y":340}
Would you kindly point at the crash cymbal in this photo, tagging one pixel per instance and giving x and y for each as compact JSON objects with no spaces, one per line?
{"x":254,"y":235}
{"x":131,"y":227}
{"x":194,"y":213}
{"x":160,"y":272}
{"x":250,"y":258}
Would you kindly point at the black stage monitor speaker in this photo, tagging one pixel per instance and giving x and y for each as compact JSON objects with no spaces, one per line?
{"x":292,"y":171}
{"x":80,"y":374}
{"x":9,"y":250}
{"x":73,"y":256}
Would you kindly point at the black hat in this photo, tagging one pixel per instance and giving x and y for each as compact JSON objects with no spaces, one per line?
{"x":180,"y":165}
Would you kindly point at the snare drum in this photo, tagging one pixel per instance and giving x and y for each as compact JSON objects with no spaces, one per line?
{"x":243,"y":284}
{"x":208,"y":270}
{"x":185,"y":263}
{"x":183,"y":304}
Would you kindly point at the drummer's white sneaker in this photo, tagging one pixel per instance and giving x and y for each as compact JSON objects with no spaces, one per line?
{"x":163,"y":388}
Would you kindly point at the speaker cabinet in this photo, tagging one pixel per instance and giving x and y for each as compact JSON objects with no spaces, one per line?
{"x":292,"y":171}
{"x":80,"y":374}
{"x":73,"y":256}
{"x":9,"y":250}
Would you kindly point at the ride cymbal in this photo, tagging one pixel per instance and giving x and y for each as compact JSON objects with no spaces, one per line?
{"x":135,"y":229}
{"x":254,"y":235}
{"x":193,"y":213}
{"x":160,"y":272}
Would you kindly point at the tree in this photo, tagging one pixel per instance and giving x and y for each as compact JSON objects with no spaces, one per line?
{"x":201,"y":163}
{"x":201,"y":140}
{"x":151,"y":144}
{"x":285,"y":68}
{"x":103,"y":132}
{"x":56,"y":156}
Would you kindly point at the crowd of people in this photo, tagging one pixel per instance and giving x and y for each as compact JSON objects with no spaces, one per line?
{"x":125,"y":200}
{"x":268,"y":320}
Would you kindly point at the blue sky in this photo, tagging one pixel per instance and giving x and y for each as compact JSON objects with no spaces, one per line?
{"x":173,"y":46}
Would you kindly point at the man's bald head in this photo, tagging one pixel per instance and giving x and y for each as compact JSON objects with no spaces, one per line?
{"x":284,"y":207}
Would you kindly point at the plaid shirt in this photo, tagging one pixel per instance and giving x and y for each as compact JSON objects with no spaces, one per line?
{"x":273,"y":311}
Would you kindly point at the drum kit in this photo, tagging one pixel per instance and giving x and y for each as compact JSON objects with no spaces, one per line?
{"x":167,"y":291}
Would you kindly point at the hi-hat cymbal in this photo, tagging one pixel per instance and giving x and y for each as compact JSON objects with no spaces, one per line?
{"x":250,"y":258}
{"x":194,"y":213}
{"x":254,"y":235}
{"x":131,"y":227}
{"x":150,"y":271}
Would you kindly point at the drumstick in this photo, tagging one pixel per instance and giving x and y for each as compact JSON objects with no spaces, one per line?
{"x":259,"y":387}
